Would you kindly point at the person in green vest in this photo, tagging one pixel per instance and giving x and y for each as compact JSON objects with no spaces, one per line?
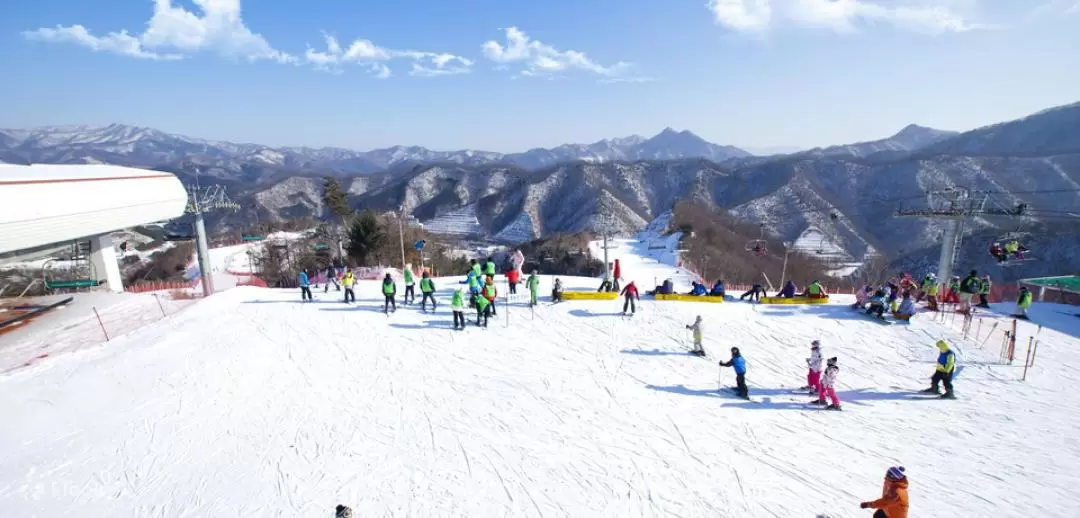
{"x":815,"y":291}
{"x":490,"y":293}
{"x":476,"y":268}
{"x":410,"y":295}
{"x":483,"y":309}
{"x":474,"y":287}
{"x":533,"y":283}
{"x":457,"y":305}
{"x":389,"y":290}
{"x":1023,"y":302}
{"x":489,"y":268}
{"x":984,"y":292}
{"x":427,"y":289}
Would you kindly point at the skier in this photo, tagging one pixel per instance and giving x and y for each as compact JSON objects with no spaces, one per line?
{"x":813,"y":375}
{"x":476,"y":268}
{"x":969,"y":287}
{"x":389,"y":289}
{"x":343,"y":511}
{"x":739,"y":363}
{"x":755,"y":293}
{"x":513,"y":277}
{"x":952,"y":296}
{"x":606,"y":284}
{"x":877,"y":304}
{"x":924,"y":289}
{"x":348,"y":281}
{"x":1023,"y":302}
{"x":894,"y":496}
{"x":617,"y":275}
{"x":410,"y":295}
{"x":943,"y":371}
{"x":533,"y":282}
{"x":331,"y":277}
{"x":490,"y":293}
{"x":984,"y":292}
{"x":457,"y":305}
{"x":826,"y":387}
{"x":696,"y":328}
{"x":427,"y":291}
{"x":931,"y":294}
{"x":556,"y":291}
{"x":473,"y":280}
{"x":630,"y":292}
{"x":489,"y":267}
{"x":305,"y":285}
{"x":483,"y":309}
{"x":717,"y":289}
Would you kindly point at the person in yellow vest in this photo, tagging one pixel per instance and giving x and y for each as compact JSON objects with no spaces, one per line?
{"x":984,"y":292}
{"x":815,"y":291}
{"x":348,"y":281}
{"x":931,"y":291}
{"x":1023,"y":302}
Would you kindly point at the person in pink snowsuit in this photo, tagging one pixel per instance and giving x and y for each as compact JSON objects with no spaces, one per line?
{"x":828,"y":382}
{"x":813,"y":376}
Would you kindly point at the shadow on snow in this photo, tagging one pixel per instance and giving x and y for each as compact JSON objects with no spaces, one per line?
{"x":857,"y":396}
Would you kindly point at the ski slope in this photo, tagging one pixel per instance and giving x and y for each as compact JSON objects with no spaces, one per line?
{"x":251,"y":403}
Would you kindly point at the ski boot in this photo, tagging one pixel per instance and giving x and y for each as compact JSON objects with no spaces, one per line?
{"x":819,"y":402}
{"x":931,"y":390}
{"x":833,"y":406}
{"x":948,"y":395}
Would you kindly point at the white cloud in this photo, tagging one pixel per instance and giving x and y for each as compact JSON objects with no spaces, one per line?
{"x":539,"y":59}
{"x":935,"y":16}
{"x":174,"y":32}
{"x":364,"y":52}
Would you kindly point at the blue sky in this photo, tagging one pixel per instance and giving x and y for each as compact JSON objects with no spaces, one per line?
{"x":752,"y":73}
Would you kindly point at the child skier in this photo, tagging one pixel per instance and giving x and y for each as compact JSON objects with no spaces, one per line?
{"x":826,"y":387}
{"x":894,"y":496}
{"x":1023,"y":302}
{"x":984,"y":292}
{"x":410,"y":296}
{"x":556,"y":291}
{"x":739,"y":363}
{"x":305,"y":285}
{"x":533,"y":283}
{"x":490,"y":293}
{"x":513,"y":277}
{"x":343,"y":511}
{"x":813,"y":375}
{"x":483,"y":309}
{"x":630,"y":292}
{"x":457,"y":305}
{"x":427,"y":289}
{"x":696,"y":328}
{"x":943,"y":371}
{"x":348,"y":281}
{"x":389,"y":290}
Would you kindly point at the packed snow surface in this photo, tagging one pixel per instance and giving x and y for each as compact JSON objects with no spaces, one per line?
{"x":251,"y":403}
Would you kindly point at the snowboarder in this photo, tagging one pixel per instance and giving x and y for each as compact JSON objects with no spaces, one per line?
{"x":331,"y":277}
{"x":826,"y":387}
{"x":788,"y":291}
{"x":556,"y":291}
{"x":877,"y":304}
{"x":533,"y":282}
{"x":1023,"y":302}
{"x":630,"y":292}
{"x":490,"y":293}
{"x":943,"y":371}
{"x":906,"y":309}
{"x":861,"y":297}
{"x":305,"y":285}
{"x":348,"y":281}
{"x":457,"y":305}
{"x":483,"y":309}
{"x":813,"y":375}
{"x":410,"y":295}
{"x":894,"y":496}
{"x":739,"y":363}
{"x":717,"y":289}
{"x":755,"y":293}
{"x":343,"y":511}
{"x":427,"y":291}
{"x":984,"y":292}
{"x":696,"y":328}
{"x":815,"y":291}
{"x":389,"y":289}
{"x":698,"y":289}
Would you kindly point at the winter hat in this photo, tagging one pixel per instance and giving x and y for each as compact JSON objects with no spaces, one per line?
{"x":343,"y":511}
{"x":942,"y":344}
{"x":734,"y":350}
{"x":831,"y":361}
{"x":698,"y":319}
{"x":896,"y":473}
{"x":815,"y":344}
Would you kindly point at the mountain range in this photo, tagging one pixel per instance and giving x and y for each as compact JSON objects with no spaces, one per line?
{"x":846,"y":194}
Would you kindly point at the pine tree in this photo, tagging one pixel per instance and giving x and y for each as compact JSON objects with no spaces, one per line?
{"x":366,"y":236}
{"x":334,"y":198}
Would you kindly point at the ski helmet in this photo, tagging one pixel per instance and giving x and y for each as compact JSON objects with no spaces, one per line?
{"x":831,"y":361}
{"x":815,"y":344}
{"x":734,"y":351}
{"x":698,"y":319}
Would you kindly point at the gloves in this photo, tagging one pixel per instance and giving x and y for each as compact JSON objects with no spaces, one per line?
{"x":864,"y":505}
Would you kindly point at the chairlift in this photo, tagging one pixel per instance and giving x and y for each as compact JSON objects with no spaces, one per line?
{"x":758,"y":247}
{"x":75,"y":278}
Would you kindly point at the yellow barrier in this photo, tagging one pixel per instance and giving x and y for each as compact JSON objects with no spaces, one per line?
{"x":794,"y":300}
{"x":590,"y":295}
{"x":689,"y":298}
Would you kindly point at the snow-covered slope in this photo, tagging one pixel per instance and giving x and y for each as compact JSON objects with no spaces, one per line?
{"x":251,"y":403}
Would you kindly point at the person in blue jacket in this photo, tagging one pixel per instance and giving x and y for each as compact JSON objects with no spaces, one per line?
{"x":739,"y":363}
{"x":788,"y":291}
{"x":717,"y":289}
{"x":698,"y":290}
{"x":305,"y":285}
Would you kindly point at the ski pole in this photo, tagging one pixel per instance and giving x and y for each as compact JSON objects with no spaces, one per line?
{"x":719,"y":376}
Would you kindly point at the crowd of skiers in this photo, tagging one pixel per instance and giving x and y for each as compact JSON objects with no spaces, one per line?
{"x":900,"y":293}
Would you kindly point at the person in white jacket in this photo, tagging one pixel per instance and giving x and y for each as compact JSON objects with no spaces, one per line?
{"x":696,"y":328}
{"x":828,"y":382}
{"x":813,"y":376}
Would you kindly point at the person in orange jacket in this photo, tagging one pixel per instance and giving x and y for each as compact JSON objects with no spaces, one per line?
{"x":894,"y":496}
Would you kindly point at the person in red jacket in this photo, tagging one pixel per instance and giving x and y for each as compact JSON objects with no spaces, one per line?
{"x":513,"y":277}
{"x":617,"y":275}
{"x":630,"y":292}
